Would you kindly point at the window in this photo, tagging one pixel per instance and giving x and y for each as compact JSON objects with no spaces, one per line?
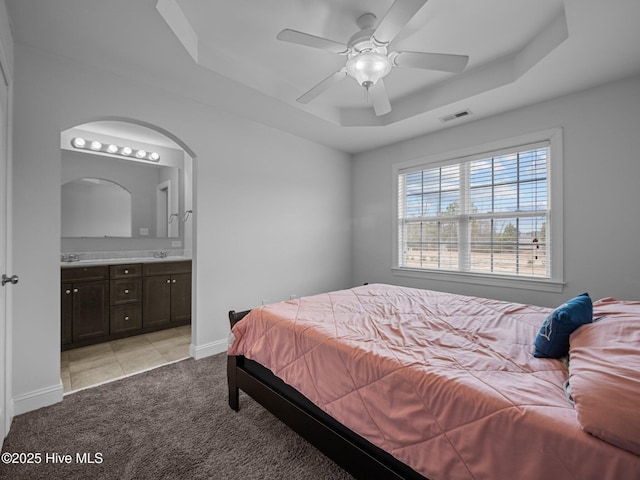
{"x":481,"y":214}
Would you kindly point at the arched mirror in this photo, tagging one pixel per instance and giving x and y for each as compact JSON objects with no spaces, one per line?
{"x":92,"y":207}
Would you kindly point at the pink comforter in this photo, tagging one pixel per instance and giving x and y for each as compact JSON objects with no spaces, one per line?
{"x":445,"y":383}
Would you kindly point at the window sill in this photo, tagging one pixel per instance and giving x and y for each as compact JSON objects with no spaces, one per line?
{"x":541,"y":285}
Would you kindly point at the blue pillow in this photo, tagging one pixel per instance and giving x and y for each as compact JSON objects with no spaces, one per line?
{"x":552,"y":340}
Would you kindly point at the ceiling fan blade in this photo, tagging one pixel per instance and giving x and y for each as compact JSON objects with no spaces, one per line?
{"x":431,"y":61}
{"x":396,"y":18}
{"x":323,"y":86}
{"x":300,"y":38}
{"x":380,"y":99}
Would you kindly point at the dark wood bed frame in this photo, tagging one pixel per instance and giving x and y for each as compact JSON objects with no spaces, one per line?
{"x":352,"y":452}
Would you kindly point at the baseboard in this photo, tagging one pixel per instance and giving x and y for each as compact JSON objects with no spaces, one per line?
{"x":37,"y":399}
{"x":208,"y":349}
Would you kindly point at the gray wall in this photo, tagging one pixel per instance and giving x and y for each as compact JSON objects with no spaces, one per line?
{"x":272,"y":210}
{"x":601,"y":130}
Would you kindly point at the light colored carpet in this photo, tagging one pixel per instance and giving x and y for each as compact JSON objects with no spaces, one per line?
{"x":169,"y":423}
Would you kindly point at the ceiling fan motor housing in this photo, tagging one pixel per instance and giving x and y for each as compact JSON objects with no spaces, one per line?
{"x":363,"y":40}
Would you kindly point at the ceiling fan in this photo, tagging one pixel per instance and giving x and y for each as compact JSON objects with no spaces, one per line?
{"x":368,"y":60}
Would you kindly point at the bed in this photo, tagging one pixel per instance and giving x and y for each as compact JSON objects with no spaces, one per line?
{"x":395,"y":382}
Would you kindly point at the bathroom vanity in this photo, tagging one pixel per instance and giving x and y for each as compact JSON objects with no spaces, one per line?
{"x":104,"y":301}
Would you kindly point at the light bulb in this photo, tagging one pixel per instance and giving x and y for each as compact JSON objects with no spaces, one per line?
{"x":126,"y":151}
{"x":112,"y":148}
{"x":141,"y":154}
{"x":96,"y":145}
{"x":78,"y":142}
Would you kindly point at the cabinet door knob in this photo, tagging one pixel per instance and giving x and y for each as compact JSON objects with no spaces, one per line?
{"x":169,"y":281}
{"x":75,"y":290}
{"x":126,"y":272}
{"x":126,"y":318}
{"x":68,"y":292}
{"x":174,"y":281}
{"x":126,"y":291}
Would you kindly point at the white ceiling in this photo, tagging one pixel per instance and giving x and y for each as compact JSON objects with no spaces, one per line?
{"x":225,"y":53}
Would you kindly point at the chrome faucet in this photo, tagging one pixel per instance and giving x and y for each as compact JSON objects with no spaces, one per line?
{"x":160,"y":254}
{"x":69,"y":257}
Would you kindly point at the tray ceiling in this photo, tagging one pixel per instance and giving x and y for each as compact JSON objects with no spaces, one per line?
{"x":225,"y":54}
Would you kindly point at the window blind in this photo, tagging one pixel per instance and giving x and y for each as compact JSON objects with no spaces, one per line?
{"x":487,"y":214}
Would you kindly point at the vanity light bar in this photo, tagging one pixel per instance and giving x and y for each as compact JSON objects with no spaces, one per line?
{"x":96,"y":146}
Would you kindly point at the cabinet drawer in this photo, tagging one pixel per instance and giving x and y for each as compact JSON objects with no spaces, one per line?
{"x":125,"y":271}
{"x":84,"y":274}
{"x":166,"y":268}
{"x":125,"y":317}
{"x":125,"y":291}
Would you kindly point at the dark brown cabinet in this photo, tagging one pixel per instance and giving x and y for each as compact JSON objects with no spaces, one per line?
{"x":166,"y":294}
{"x":126,"y":298}
{"x":101,"y":303}
{"x":157,"y":300}
{"x":66,"y":317}
{"x":181,"y":298}
{"x":85,"y":304}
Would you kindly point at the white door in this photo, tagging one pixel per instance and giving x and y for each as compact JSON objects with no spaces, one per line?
{"x":4,"y":236}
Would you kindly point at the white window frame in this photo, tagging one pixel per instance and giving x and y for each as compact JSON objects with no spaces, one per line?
{"x":555,"y":283}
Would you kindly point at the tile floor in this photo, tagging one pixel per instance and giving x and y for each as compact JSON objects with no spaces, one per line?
{"x":87,"y":366}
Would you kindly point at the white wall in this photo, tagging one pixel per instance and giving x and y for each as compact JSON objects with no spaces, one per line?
{"x":601,"y":129}
{"x":272,"y":210}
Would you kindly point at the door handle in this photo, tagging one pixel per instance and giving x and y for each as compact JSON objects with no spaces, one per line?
{"x":13,"y":279}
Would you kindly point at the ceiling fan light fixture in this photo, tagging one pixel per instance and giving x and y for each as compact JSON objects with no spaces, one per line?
{"x":368,"y":67}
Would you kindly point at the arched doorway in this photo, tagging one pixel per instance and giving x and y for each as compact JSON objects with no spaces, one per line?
{"x":158,"y":170}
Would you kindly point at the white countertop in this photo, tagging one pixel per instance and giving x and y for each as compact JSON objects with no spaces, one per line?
{"x":121,"y":261}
